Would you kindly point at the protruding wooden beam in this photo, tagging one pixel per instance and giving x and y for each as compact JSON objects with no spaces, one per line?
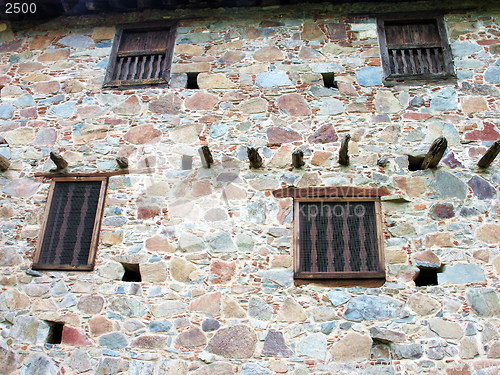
{"x":435,"y":153}
{"x":122,"y":162}
{"x":298,"y":159}
{"x":254,"y":158}
{"x":4,"y":163}
{"x":490,"y":155}
{"x":58,"y":160}
{"x":206,"y":156}
{"x":344,"y":150}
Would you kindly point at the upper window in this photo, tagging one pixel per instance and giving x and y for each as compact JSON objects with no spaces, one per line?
{"x":71,"y":225}
{"x":141,"y":54}
{"x":414,"y":48}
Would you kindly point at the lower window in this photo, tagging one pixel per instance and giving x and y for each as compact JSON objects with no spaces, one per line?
{"x":338,"y":239}
{"x":71,"y":225}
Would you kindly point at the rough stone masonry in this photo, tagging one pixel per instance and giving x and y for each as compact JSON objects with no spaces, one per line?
{"x":213,"y":245}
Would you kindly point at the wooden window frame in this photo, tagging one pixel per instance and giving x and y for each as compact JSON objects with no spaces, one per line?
{"x":170,"y":28}
{"x":443,"y":37}
{"x":95,"y":230}
{"x":339,"y":275}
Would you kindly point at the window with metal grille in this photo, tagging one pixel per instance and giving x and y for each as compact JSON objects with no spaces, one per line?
{"x":71,"y":225}
{"x":338,"y":239}
{"x":141,"y":54}
{"x":414,"y":48}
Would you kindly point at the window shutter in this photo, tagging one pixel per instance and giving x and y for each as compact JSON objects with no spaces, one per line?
{"x":338,"y":237}
{"x":71,"y":227}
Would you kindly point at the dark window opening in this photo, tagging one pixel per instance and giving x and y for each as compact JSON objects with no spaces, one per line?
{"x":55,"y":332}
{"x":192,"y":81}
{"x":415,"y":162}
{"x":428,"y":276}
{"x":329,"y":80}
{"x":132,"y":272}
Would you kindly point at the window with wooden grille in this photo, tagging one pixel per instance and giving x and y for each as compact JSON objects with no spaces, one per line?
{"x":141,"y":54}
{"x":414,"y":49}
{"x":338,"y":239}
{"x":70,"y":231}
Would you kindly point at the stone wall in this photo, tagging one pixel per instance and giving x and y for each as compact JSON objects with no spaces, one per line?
{"x":214,"y":247}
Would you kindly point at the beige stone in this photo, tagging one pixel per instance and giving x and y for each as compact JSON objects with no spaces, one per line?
{"x":438,"y":239}
{"x":209,"y":303}
{"x":281,"y":261}
{"x":321,"y":158}
{"x":188,"y":50}
{"x":268,"y":54}
{"x":181,"y":269}
{"x":446,"y":329}
{"x":423,"y":304}
{"x":312,"y":31}
{"x":209,"y":81}
{"x":467,"y":349}
{"x":159,"y":243}
{"x":104,"y":33}
{"x":496,"y":264}
{"x":412,"y":186}
{"x":471,"y":104}
{"x":232,"y":309}
{"x":488,"y":233}
{"x":291,"y":311}
{"x":396,"y":256}
{"x":352,"y":347}
{"x":153,"y":272}
{"x":110,"y":238}
{"x":254,"y":105}
{"x":191,"y":67}
{"x":282,"y":157}
{"x":20,"y":136}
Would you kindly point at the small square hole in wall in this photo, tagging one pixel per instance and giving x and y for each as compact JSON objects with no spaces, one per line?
{"x":192,"y":81}
{"x":132,"y":272}
{"x":428,"y":276}
{"x":415,"y":162}
{"x":187,"y":162}
{"x":55,"y":332}
{"x":329,"y":80}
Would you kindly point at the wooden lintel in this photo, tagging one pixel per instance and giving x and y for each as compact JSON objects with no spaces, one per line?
{"x":490,"y":155}
{"x":206,"y":156}
{"x":298,"y":159}
{"x":254,"y":158}
{"x":4,"y":163}
{"x":330,"y":192}
{"x":122,"y":162}
{"x":58,"y":161}
{"x":344,"y":150}
{"x":435,"y":153}
{"x":116,"y":172}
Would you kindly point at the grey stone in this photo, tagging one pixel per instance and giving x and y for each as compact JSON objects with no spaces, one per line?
{"x":372,"y":307}
{"x":210,"y":325}
{"x":274,"y":345}
{"x":484,"y":301}
{"x":329,"y":106}
{"x":461,"y":49}
{"x":244,"y":242}
{"x":273,"y":79}
{"x":141,"y":368}
{"x":168,"y":309}
{"x":327,"y":68}
{"x":8,"y":359}
{"x":115,"y":221}
{"x":129,"y":307}
{"x":338,"y":298}
{"x":76,"y":41}
{"x":254,"y":369}
{"x":407,"y":351}
{"x":461,"y":273}
{"x":379,"y":370}
{"x":6,"y":111}
{"x":29,"y":329}
{"x":189,"y":242}
{"x":256,"y":211}
{"x":110,"y":366}
{"x":115,"y":340}
{"x":25,"y":100}
{"x":216,"y":368}
{"x":387,"y":335}
{"x":259,"y":309}
{"x":282,"y":277}
{"x":79,"y":361}
{"x":174,"y":367}
{"x":481,"y":188}
{"x":492,"y":74}
{"x":233,"y":342}
{"x":9,"y":257}
{"x":161,"y":326}
{"x":218,"y":130}
{"x":313,"y":346}
{"x":38,"y":364}
{"x":449,"y":186}
{"x":369,"y":76}
{"x":91,"y":304}
{"x":444,"y":100}
{"x":446,"y":329}
{"x":476,"y":89}
{"x":221,"y":242}
{"x":64,"y":110}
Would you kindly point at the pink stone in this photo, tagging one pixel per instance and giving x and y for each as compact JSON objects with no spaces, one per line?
{"x":276,"y":135}
{"x":148,"y":212}
{"x":208,"y":303}
{"x":74,"y":336}
{"x":320,"y":157}
{"x":100,"y":325}
{"x":30,"y":112}
{"x":90,"y":111}
{"x":150,"y":342}
{"x":130,"y":107}
{"x":489,"y":133}
{"x":325,"y":134}
{"x":22,"y":187}
{"x":57,"y":55}
{"x":222,"y":271}
{"x":50,"y":87}
{"x":191,"y":338}
{"x":90,"y":304}
{"x":232,"y":57}
{"x":294,"y":105}
{"x":201,"y":188}
{"x":143,"y":134}
{"x":169,"y":104}
{"x":46,"y":137}
{"x":268,"y":54}
{"x":29,"y":67}
{"x":438,"y":239}
{"x":159,"y":243}
{"x":471,"y":104}
{"x":200,"y":101}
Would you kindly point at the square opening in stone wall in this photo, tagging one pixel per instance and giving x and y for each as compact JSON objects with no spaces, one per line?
{"x":329,"y":80}
{"x":132,"y":272}
{"x":55,"y":332}
{"x":192,"y":81}
{"x":428,"y":276}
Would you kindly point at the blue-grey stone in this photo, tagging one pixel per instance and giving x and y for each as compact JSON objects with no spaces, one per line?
{"x":103,"y":64}
{"x":218,"y":130}
{"x":327,"y":68}
{"x":256,"y":212}
{"x":329,"y":106}
{"x":313,"y":346}
{"x":372,"y":308}
{"x":481,"y":188}
{"x":141,"y":368}
{"x":280,"y":276}
{"x":407,"y":351}
{"x":210,"y":325}
{"x":379,"y":370}
{"x":6,"y":111}
{"x":104,"y":44}
{"x":337,"y":298}
{"x":14,"y":58}
{"x":28,"y":329}
{"x":56,"y":99}
{"x":221,"y":243}
{"x":113,"y":341}
{"x":253,"y":369}
{"x":38,"y":364}
{"x":444,"y":100}
{"x":161,"y":326}
{"x":449,"y":186}
{"x":194,"y":38}
{"x":259,"y":309}
{"x":64,"y":110}
{"x":461,"y":49}
{"x":320,"y":91}
{"x":273,"y":79}
{"x":461,"y":273}
{"x":369,"y":76}
{"x":58,"y":289}
{"x":115,"y":221}
{"x":328,"y":327}
{"x":244,"y":242}
{"x":484,"y":301}
{"x":68,"y":301}
{"x":492,"y":74}
{"x":76,"y":41}
{"x":34,"y":273}
{"x":468,"y":211}
{"x":25,"y":100}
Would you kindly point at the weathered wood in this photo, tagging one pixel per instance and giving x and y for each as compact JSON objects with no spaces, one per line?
{"x":415,"y":162}
{"x":4,"y":163}
{"x":122,"y":162}
{"x":435,"y":153}
{"x":298,"y":159}
{"x":58,"y":161}
{"x":254,"y":158}
{"x":344,"y":150}
{"x":330,"y":192}
{"x":206,"y":156}
{"x":490,"y":155}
